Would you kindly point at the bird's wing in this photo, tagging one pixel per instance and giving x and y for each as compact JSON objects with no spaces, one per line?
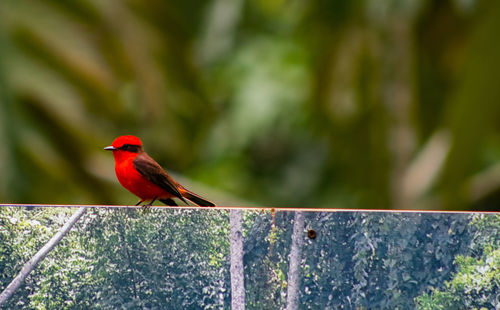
{"x":154,"y":173}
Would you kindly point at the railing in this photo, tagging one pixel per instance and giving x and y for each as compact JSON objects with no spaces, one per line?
{"x":261,"y":258}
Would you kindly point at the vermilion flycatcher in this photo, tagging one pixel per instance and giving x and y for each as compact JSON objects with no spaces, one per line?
{"x":145,"y":178}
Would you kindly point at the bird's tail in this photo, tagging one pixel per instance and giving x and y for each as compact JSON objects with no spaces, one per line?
{"x":200,"y":201}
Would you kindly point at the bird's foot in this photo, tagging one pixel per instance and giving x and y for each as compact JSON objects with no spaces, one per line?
{"x":147,"y":207}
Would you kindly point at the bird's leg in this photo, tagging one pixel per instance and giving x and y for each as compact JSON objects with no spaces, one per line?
{"x":147,"y":207}
{"x":140,"y":201}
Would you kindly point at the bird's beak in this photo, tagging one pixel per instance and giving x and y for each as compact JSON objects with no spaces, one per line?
{"x":110,"y":148}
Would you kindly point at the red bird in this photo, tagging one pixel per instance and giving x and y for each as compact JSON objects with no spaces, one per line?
{"x":145,"y":178}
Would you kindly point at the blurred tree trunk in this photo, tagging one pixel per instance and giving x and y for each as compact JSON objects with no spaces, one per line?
{"x":397,"y":94}
{"x":8,"y":156}
{"x":237,"y":275}
{"x":473,"y":114}
{"x":220,"y":28}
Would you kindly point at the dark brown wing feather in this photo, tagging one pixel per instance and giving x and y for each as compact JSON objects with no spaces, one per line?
{"x":169,"y":202}
{"x":197,"y":199}
{"x":154,"y":173}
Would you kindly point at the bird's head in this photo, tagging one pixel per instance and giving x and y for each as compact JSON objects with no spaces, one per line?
{"x":125,"y":145}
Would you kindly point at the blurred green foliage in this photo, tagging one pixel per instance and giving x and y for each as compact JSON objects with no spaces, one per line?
{"x":362,"y":104}
{"x":349,"y":104}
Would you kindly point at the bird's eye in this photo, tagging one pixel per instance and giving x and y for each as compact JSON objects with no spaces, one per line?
{"x":130,"y":148}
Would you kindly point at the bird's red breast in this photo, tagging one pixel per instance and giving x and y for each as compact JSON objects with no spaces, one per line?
{"x":135,"y":182}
